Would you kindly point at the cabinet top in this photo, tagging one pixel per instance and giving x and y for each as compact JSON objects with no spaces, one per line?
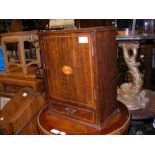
{"x":77,"y":30}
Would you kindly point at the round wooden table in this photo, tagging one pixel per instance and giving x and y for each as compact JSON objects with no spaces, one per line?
{"x":117,"y":124}
{"x":149,"y":111}
{"x":142,"y":117}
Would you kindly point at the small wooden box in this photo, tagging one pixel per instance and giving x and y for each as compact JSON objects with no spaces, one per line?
{"x":19,"y":115}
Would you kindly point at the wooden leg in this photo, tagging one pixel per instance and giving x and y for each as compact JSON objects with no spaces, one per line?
{"x":22,"y":56}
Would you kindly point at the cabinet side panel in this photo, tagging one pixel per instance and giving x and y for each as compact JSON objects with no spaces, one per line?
{"x":107,"y":70}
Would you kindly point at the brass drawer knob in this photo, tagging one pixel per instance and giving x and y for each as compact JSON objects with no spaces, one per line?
{"x":70,"y":110}
{"x":67,"y":70}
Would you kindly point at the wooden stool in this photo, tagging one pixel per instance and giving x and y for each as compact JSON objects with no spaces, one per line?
{"x":20,"y":38}
{"x":52,"y":124}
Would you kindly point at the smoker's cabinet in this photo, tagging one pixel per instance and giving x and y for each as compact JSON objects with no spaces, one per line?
{"x":81,"y":74}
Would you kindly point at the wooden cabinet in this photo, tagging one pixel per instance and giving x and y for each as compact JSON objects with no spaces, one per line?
{"x":81,"y":74}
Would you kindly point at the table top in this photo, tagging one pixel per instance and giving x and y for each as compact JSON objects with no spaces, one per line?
{"x":116,"y":124}
{"x":135,"y":37}
{"x":149,"y":111}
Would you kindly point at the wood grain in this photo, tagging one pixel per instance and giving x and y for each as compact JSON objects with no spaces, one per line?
{"x":89,"y":92}
{"x":116,"y":125}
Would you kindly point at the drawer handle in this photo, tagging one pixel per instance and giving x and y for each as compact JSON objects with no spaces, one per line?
{"x":67,"y":70}
{"x":70,"y":110}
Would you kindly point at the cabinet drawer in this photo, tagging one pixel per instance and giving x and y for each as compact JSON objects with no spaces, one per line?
{"x":74,"y":112}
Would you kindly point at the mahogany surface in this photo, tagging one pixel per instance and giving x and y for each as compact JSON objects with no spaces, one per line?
{"x":147,"y":112}
{"x":11,"y":82}
{"x":115,"y":125}
{"x":81,"y":71}
{"x":20,"y":114}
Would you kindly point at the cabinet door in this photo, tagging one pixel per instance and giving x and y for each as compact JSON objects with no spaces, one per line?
{"x":69,"y":68}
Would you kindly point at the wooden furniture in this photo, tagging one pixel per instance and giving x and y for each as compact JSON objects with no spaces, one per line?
{"x":16,"y":25}
{"x":117,"y":124}
{"x":11,"y":82}
{"x":80,"y":69}
{"x":19,"y":115}
{"x":18,"y":57}
{"x":142,"y":119}
{"x":23,"y":62}
{"x":149,"y":111}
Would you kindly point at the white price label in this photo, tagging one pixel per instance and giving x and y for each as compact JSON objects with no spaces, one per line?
{"x":2,"y":118}
{"x":83,"y":39}
{"x":56,"y":132}
{"x":25,"y":94}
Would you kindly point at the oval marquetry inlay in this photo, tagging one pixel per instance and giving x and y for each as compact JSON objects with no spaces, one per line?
{"x":67,"y":70}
